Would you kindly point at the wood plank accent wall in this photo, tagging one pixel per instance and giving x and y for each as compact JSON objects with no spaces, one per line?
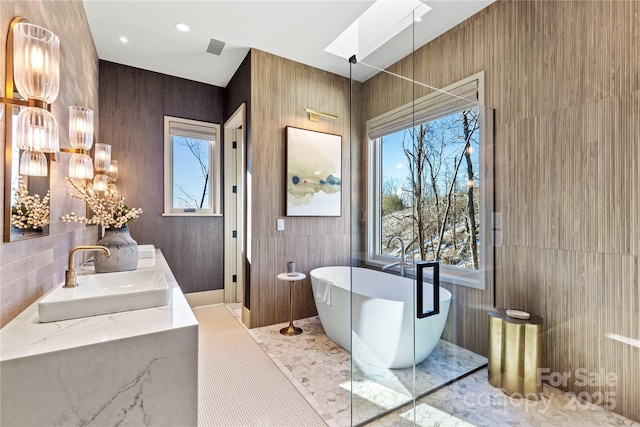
{"x":280,"y":91}
{"x":29,"y":268}
{"x":564,"y":79}
{"x":133,"y":103}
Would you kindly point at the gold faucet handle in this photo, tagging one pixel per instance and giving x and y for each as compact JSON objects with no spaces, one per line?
{"x":69,"y":279}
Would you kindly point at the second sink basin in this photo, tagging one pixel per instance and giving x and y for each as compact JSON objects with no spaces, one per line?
{"x":105,"y":293}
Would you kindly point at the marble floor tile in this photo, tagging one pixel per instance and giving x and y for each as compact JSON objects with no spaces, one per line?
{"x":472,"y":401}
{"x":321,"y":371}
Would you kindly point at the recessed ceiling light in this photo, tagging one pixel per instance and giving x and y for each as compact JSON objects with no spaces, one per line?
{"x":124,"y":39}
{"x":183,"y":27}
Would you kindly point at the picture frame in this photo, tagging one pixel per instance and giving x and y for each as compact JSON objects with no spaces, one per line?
{"x":313,"y":173}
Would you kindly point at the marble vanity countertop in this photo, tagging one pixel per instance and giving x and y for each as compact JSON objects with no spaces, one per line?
{"x":25,"y":336}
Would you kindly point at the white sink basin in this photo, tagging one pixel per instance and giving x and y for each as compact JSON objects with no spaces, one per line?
{"x":105,"y":293}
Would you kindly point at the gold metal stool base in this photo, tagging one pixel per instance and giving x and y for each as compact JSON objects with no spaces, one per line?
{"x":515,"y":354}
{"x":291,"y":277}
{"x":291,"y":330}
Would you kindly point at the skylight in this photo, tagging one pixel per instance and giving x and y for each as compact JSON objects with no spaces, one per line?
{"x":384,"y":20}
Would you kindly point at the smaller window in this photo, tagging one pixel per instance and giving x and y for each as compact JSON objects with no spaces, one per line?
{"x":191,"y":167}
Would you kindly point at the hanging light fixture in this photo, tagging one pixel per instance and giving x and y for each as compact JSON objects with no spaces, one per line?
{"x":113,"y":171}
{"x":33,"y":163}
{"x":103,"y":157}
{"x":102,"y":163}
{"x":80,"y":167}
{"x":81,"y":139}
{"x":80,"y":127}
{"x":37,"y":130}
{"x":112,"y":174}
{"x":100,"y":182}
{"x":36,"y":62}
{"x":33,"y":66}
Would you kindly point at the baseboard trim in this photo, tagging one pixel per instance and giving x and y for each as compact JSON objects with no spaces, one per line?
{"x":246,"y":317}
{"x":198,"y":299}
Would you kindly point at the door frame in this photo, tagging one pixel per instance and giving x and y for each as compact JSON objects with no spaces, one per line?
{"x":234,"y":131}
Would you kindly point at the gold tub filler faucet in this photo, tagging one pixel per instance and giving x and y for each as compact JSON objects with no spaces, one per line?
{"x":70,"y":274}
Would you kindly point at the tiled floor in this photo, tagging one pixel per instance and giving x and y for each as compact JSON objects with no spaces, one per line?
{"x":320,"y":370}
{"x":471,"y":401}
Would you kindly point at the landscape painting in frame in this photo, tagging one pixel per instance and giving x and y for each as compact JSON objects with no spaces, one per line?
{"x":314,"y":173}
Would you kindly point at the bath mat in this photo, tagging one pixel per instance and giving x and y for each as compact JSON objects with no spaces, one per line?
{"x":239,"y":385}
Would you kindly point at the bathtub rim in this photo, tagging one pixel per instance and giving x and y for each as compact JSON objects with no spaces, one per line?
{"x":445,"y":294}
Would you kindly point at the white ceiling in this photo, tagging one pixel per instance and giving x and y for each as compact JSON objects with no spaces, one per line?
{"x":297,"y":30}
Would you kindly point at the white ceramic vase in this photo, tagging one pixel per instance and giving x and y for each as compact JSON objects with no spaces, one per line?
{"x":124,"y":251}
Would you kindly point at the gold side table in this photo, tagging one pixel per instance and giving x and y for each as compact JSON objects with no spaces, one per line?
{"x":291,"y":277}
{"x":515,"y":354}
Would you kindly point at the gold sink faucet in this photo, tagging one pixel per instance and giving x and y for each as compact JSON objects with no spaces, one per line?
{"x":70,"y":274}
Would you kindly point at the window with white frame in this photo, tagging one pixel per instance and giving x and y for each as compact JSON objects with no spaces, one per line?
{"x":424,"y":181}
{"x":191,"y":167}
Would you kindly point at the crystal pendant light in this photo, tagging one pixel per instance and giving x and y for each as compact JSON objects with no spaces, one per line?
{"x":80,"y":167}
{"x":81,"y":138}
{"x":102,"y":157}
{"x":36,"y":73}
{"x":100,"y":182}
{"x":37,"y":130}
{"x":33,"y":163}
{"x":112,"y":173}
{"x":36,"y":65}
{"x":80,"y":127}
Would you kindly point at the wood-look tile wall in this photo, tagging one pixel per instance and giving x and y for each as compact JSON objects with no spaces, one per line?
{"x":280,"y":91}
{"x":564,"y":79}
{"x":133,"y":103}
{"x":30,"y":268}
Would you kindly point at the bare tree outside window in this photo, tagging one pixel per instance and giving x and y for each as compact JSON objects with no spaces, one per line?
{"x":192,"y":169}
{"x":439,"y":215}
{"x":191,"y":172}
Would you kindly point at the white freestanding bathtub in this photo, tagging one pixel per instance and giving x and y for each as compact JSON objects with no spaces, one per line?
{"x":383,"y":315}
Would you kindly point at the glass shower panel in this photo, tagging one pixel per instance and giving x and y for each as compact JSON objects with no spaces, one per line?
{"x":422,"y":185}
{"x":382,"y":300}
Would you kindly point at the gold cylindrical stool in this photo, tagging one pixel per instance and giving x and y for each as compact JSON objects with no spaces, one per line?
{"x":515,"y":354}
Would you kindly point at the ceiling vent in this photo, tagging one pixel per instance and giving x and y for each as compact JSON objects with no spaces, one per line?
{"x":215,"y":47}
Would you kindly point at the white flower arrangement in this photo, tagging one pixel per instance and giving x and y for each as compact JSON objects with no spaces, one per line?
{"x":29,"y":212}
{"x":108,"y":211}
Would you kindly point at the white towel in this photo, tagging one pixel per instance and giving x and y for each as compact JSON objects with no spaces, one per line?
{"x":323,"y":293}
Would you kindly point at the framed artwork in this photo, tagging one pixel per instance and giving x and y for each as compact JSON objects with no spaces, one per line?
{"x":314,"y":173}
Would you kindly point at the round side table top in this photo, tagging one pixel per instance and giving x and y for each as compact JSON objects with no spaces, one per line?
{"x":291,"y":277}
{"x":501,"y":313}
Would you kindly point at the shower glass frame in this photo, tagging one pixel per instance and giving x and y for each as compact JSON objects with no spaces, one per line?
{"x":378,"y":392}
